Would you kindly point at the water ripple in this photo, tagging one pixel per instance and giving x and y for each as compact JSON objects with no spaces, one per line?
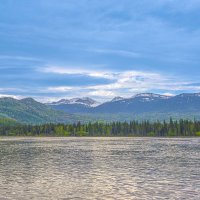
{"x":99,"y":168}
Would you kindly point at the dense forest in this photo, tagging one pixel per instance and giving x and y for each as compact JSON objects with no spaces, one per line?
{"x":181,"y":128}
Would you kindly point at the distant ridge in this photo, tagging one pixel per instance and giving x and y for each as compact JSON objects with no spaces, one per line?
{"x":143,"y":106}
{"x":140,"y":103}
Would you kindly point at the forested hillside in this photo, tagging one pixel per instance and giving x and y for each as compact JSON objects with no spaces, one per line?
{"x":8,"y":122}
{"x":32,"y":112}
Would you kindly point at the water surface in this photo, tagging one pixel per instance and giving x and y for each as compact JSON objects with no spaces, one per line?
{"x":99,"y":168}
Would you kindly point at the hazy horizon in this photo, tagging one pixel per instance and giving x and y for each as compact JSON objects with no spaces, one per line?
{"x":96,"y":102}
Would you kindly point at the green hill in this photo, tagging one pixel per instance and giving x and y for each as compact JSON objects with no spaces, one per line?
{"x":30,"y":111}
{"x":8,"y":122}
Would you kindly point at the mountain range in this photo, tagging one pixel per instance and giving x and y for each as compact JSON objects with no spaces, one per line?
{"x":140,"y":103}
{"x":140,"y":106}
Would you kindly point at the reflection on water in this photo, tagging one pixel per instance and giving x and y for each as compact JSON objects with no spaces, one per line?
{"x":99,"y":168}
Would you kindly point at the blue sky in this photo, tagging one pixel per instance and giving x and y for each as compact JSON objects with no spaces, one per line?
{"x":52,"y":49}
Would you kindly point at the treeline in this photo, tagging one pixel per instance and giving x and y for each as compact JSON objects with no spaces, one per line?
{"x":182,"y":128}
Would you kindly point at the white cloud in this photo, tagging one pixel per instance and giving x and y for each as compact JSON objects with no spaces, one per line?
{"x":59,"y":89}
{"x":123,"y":83}
{"x":11,"y":89}
{"x":76,"y":71}
{"x":117,"y":52}
{"x":168,"y":94}
{"x":21,"y":58}
{"x":102,"y":93}
{"x":11,"y":96}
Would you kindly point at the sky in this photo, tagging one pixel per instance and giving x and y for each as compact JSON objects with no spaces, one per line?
{"x":53,"y":49}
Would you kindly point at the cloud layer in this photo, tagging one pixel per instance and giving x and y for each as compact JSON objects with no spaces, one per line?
{"x":122,"y":83}
{"x":52,"y":49}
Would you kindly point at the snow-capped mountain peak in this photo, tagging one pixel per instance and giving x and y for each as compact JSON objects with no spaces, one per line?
{"x":83,"y":101}
{"x":150,"y":96}
{"x":189,"y":95}
{"x":117,"y":99}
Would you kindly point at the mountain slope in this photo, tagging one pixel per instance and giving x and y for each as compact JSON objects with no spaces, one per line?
{"x":139,"y":104}
{"x":31,"y":111}
{"x":152,"y":103}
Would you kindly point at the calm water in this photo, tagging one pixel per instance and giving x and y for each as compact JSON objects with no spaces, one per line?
{"x":99,"y":168}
